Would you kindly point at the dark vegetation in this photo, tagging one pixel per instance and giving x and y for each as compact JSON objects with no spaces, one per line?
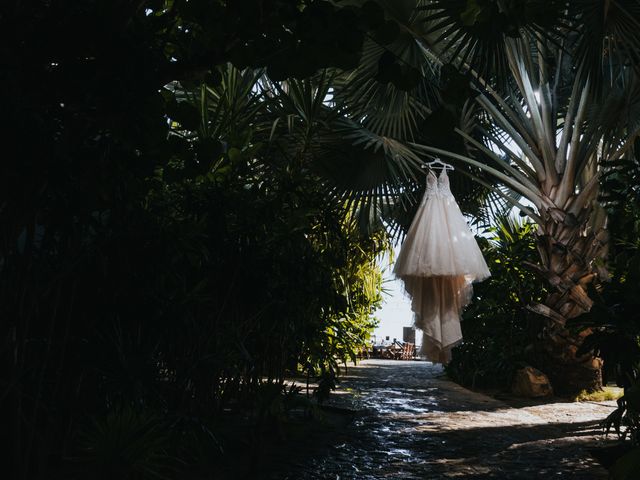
{"x":613,"y":323}
{"x":192,"y":198}
{"x":499,"y":331}
{"x":615,"y":318}
{"x":166,"y":254}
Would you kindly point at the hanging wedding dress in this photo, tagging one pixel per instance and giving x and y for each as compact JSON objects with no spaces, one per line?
{"x":437,"y":264}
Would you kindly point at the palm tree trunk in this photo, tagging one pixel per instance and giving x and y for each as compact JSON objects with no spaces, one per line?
{"x":568,"y":245}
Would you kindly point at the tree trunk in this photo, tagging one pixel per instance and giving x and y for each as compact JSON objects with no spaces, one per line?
{"x":568,"y":246}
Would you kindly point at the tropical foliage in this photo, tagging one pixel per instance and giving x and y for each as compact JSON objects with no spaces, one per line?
{"x":614,"y":322}
{"x":499,"y":330}
{"x":536,"y":97}
{"x":614,"y":316}
{"x":167,"y":254}
{"x":235,"y":268}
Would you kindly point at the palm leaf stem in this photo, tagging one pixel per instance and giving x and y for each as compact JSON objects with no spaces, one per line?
{"x":532,"y":194}
{"x":514,"y":171}
{"x":509,"y":198}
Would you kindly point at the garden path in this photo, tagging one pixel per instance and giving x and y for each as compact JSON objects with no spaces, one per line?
{"x":412,"y":423}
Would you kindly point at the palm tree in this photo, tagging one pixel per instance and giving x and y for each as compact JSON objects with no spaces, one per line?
{"x":547,"y":146}
{"x":555,"y":96}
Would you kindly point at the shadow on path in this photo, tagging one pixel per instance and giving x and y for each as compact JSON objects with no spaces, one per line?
{"x":412,"y":423}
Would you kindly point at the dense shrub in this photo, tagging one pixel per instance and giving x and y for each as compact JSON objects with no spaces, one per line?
{"x":614,"y":320}
{"x":148,"y":321}
{"x":615,"y":316}
{"x":498,"y":329}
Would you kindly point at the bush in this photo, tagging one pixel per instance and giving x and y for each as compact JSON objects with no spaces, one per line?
{"x":614,"y":320}
{"x":173,"y":302}
{"x":497,"y":327}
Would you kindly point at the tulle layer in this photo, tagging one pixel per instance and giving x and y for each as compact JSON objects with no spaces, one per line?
{"x":437,"y":303}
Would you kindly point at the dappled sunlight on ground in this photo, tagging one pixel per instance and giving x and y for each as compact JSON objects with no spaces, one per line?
{"x":412,"y":423}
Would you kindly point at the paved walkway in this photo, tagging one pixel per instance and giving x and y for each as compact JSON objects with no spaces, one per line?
{"x":414,"y":424}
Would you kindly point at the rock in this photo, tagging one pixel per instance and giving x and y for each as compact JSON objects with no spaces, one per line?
{"x":531,"y":383}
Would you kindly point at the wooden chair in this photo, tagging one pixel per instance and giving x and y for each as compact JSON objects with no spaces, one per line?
{"x":408,"y":351}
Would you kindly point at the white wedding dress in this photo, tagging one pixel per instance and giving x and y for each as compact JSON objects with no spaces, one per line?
{"x":438,"y":262}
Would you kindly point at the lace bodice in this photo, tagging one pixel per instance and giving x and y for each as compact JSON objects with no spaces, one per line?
{"x":432,"y":184}
{"x":443,"y":183}
{"x":438,"y":185}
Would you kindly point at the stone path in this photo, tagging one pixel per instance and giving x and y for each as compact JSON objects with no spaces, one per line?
{"x":414,"y":424}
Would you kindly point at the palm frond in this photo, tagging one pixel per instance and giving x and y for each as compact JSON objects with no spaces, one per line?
{"x":608,"y":36}
{"x":473,"y":35}
{"x":377,"y":94}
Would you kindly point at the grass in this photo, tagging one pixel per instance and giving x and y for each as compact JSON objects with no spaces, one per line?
{"x":606,"y":394}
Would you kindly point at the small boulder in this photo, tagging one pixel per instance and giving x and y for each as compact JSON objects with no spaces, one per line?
{"x":531,"y":383}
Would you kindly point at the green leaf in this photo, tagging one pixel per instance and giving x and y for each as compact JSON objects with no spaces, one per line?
{"x":472,"y":13}
{"x":235,"y":154}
